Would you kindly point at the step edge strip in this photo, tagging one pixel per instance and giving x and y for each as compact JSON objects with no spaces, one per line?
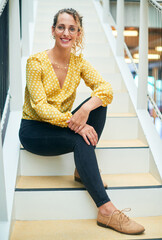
{"x":78,"y":189}
{"x":21,"y":148}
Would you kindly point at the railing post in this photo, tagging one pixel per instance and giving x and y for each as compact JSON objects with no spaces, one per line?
{"x":3,"y":202}
{"x":106,"y":10}
{"x":143,"y":56}
{"x":15,"y":56}
{"x":120,"y":28}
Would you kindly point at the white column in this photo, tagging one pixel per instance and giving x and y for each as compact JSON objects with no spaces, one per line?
{"x":120,"y":28}
{"x":31,"y":10}
{"x":106,"y":10}
{"x":3,"y":203}
{"x":143,"y":56}
{"x":25,"y":28}
{"x":15,"y":56}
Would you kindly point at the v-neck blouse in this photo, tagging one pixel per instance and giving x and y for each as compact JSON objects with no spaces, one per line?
{"x":46,"y":101}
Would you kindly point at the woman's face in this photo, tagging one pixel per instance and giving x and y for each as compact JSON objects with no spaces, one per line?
{"x":66,"y":31}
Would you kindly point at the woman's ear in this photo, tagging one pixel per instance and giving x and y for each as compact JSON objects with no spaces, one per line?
{"x":78,"y":34}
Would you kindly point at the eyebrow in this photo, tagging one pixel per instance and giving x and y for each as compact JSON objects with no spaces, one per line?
{"x":69,"y":25}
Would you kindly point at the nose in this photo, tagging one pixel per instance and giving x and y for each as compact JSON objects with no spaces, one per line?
{"x":66,"y":32}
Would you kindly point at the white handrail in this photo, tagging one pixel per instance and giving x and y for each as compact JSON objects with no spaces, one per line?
{"x":3,"y":202}
{"x":158,"y":113}
{"x":131,"y":58}
{"x":2,"y":6}
{"x":156,"y":4}
{"x":4,"y":114}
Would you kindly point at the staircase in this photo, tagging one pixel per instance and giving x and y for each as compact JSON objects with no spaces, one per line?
{"x":48,"y":203}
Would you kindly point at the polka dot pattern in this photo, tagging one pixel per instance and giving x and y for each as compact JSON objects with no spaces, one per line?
{"x":46,"y":101}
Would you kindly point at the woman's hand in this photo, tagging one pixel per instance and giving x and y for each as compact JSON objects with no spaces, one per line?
{"x":89,"y":134}
{"x":78,"y":121}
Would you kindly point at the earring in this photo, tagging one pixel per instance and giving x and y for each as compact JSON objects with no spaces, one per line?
{"x":53,"y":37}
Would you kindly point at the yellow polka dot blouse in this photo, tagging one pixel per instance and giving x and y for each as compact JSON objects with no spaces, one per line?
{"x":46,"y":101}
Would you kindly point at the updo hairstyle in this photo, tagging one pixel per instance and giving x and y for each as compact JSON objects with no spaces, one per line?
{"x":78,"y":45}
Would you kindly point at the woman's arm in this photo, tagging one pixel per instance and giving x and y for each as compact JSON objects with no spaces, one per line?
{"x":102,"y":95}
{"x":79,"y":119}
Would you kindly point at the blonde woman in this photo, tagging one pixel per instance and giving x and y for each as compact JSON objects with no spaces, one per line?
{"x":48,"y":126}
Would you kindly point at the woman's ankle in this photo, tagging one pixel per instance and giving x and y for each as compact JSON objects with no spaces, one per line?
{"x":107,"y":208}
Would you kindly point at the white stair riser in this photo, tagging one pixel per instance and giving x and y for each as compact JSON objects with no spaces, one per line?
{"x":120,"y":128}
{"x":72,"y":3}
{"x":83,"y":3}
{"x":76,"y":204}
{"x":117,"y":85}
{"x":48,"y":17}
{"x":90,"y":27}
{"x":110,"y":161}
{"x":103,"y":64}
{"x":120,"y":104}
{"x":97,"y":50}
{"x":84,"y":11}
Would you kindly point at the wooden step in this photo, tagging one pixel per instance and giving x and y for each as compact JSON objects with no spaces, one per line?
{"x":81,"y":229}
{"x":113,"y":180}
{"x":121,"y":115}
{"x":128,"y":143}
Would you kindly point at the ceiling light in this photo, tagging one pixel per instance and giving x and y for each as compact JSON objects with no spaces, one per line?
{"x":127,"y":33}
{"x":158,"y":48}
{"x":128,"y":60}
{"x":150,"y":56}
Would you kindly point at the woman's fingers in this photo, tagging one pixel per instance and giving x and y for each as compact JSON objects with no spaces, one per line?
{"x":89,"y":134}
{"x":85,"y":139}
{"x":92,"y":138}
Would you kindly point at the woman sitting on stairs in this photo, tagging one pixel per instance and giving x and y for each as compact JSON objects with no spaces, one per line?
{"x":48,"y":126}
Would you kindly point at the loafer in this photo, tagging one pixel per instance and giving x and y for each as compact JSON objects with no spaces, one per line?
{"x":77,"y":178}
{"x":120,"y":222}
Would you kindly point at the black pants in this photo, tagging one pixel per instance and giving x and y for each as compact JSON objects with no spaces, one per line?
{"x":48,"y":140}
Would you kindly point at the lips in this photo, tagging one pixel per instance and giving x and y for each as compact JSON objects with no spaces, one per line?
{"x":65,"y":40}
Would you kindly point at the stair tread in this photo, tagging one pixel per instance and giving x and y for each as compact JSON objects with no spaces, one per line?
{"x":113,"y":180}
{"x":121,"y":143}
{"x":124,"y":114}
{"x":81,"y":229}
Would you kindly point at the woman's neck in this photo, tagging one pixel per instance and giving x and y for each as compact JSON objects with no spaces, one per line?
{"x":60,"y":55}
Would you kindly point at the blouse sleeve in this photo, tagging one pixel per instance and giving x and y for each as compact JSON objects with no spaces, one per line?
{"x":38,"y":98}
{"x":94,"y":80}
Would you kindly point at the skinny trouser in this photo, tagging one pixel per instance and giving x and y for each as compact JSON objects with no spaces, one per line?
{"x":45,"y":139}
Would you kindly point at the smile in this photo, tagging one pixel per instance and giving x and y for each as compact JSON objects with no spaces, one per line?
{"x":65,"y":40}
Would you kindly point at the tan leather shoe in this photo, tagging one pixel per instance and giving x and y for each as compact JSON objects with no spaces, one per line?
{"x":120,"y":222}
{"x":77,"y":178}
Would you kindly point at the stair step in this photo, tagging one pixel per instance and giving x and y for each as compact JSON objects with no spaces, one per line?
{"x":121,"y":115}
{"x":113,"y":181}
{"x":121,"y":101}
{"x":81,"y":229}
{"x":128,"y":143}
{"x":111,"y":160}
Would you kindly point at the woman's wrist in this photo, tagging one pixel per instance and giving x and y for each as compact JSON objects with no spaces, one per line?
{"x":92,"y":104}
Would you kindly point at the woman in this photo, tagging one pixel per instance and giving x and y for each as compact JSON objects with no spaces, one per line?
{"x":49,"y":128}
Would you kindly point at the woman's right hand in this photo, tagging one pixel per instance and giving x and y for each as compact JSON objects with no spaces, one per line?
{"x":89,"y":134}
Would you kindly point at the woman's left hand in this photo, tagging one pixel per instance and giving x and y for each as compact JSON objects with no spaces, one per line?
{"x":79,"y":119}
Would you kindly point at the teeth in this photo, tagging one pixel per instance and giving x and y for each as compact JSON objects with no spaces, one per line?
{"x":65,"y":40}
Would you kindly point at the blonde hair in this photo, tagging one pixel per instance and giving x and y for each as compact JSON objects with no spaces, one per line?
{"x":79,"y":43}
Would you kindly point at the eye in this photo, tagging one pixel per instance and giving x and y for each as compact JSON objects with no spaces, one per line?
{"x":60,"y":27}
{"x":72,"y":29}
